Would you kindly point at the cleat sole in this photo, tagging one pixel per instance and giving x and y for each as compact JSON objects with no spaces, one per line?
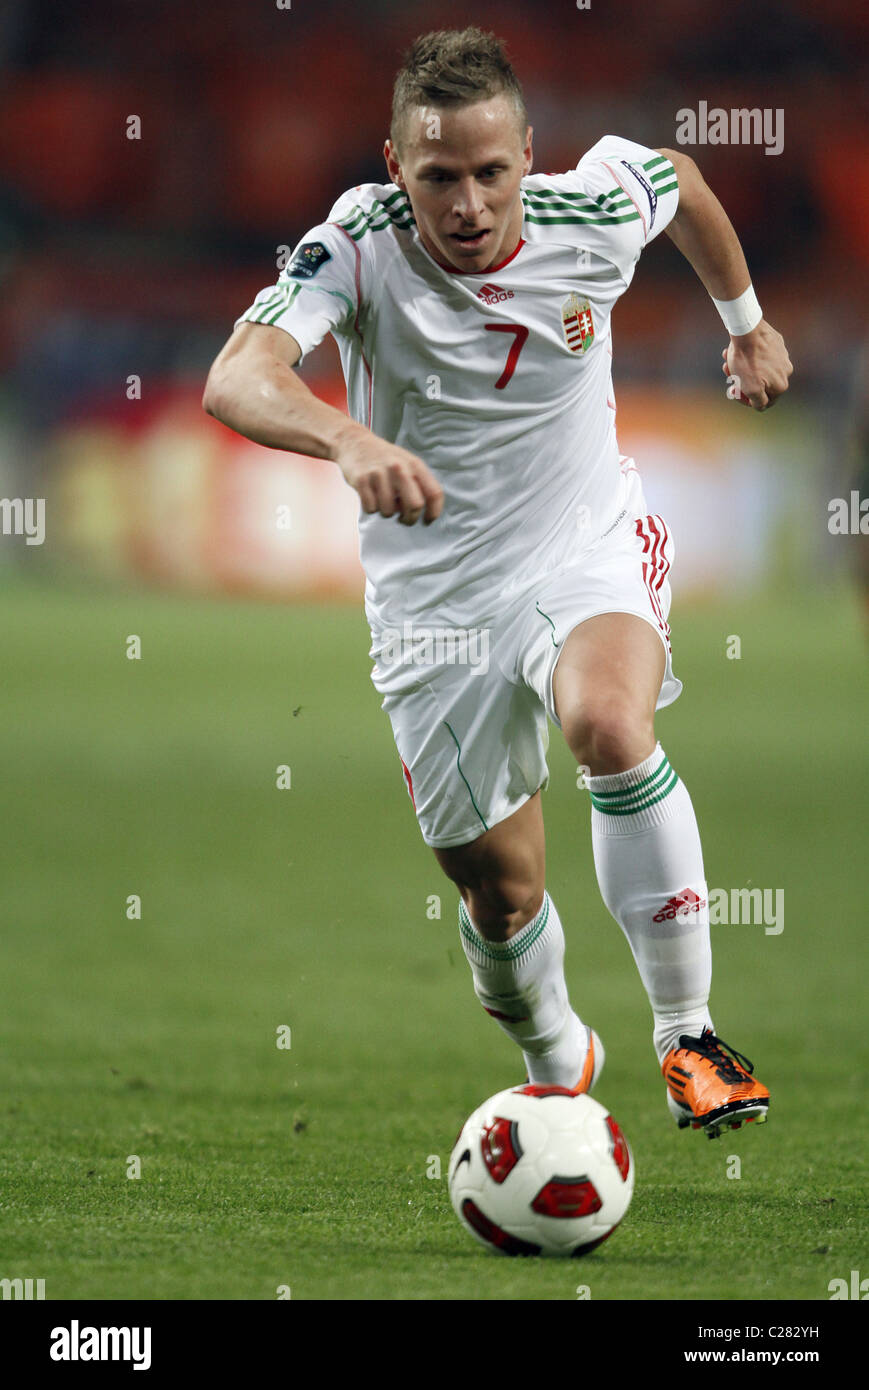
{"x":715,"y":1127}
{"x":732,"y":1116}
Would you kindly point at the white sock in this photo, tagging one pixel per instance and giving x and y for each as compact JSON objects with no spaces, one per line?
{"x":649,"y":864}
{"x":521,"y":983}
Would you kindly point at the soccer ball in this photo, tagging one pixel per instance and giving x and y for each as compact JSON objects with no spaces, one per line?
{"x":537,"y":1170}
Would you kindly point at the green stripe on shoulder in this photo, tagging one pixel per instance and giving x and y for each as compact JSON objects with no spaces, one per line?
{"x":394,"y":211}
{"x":600,"y":208}
{"x":595,"y":221}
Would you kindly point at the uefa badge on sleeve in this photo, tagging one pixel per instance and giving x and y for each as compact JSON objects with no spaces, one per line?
{"x":307,"y":260}
{"x":577,"y":323}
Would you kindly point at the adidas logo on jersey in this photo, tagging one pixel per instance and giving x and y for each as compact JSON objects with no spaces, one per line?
{"x":492,"y":294}
{"x":685,"y":902}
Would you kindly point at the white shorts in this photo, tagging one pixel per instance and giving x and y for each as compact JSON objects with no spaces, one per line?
{"x":469,"y":707}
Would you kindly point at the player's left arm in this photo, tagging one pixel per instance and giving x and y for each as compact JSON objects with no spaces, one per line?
{"x":704,"y":234}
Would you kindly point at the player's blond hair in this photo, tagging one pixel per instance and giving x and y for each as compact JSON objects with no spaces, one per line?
{"x":454,"y":67}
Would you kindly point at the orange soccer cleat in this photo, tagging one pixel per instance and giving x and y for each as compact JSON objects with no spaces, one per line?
{"x":710,"y":1085}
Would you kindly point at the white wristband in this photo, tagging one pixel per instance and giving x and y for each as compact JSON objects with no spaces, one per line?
{"x":740,"y":315}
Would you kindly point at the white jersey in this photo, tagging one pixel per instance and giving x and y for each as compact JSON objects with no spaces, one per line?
{"x":500,"y":380}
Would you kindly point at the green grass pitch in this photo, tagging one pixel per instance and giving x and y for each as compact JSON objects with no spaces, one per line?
{"x":306,"y":1167}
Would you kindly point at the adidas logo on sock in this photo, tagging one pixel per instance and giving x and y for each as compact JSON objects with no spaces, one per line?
{"x":684,"y":902}
{"x":507,"y":1018}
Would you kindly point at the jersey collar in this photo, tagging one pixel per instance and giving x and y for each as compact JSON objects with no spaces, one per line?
{"x":490,"y":270}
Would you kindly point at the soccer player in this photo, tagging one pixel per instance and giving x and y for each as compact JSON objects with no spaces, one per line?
{"x":471,"y":302}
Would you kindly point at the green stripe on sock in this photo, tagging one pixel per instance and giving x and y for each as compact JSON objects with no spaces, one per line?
{"x":643,"y":804}
{"x":637,"y":787}
{"x":501,"y":950}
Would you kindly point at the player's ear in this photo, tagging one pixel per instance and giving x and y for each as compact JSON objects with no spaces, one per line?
{"x":390,"y":154}
{"x":528,"y":151}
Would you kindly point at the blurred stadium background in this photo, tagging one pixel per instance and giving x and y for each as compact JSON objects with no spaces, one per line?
{"x":131,"y":258}
{"x":126,"y":258}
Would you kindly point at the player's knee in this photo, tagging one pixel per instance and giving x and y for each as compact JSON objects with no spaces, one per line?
{"x":502,"y":874}
{"x":608,"y":734}
{"x":500,"y":902}
{"x":501,"y":907}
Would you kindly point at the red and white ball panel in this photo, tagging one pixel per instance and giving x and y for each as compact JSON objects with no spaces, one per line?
{"x":537,"y":1170}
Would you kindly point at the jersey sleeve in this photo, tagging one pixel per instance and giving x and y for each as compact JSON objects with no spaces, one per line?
{"x":317,"y":291}
{"x":635,"y":193}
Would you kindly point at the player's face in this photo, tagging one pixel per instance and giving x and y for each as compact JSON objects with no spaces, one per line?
{"x":461,"y":168}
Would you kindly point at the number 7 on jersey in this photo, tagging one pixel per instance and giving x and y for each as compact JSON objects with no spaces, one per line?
{"x":516,"y":347}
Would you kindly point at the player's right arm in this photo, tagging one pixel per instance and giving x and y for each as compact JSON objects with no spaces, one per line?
{"x":252,"y":387}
